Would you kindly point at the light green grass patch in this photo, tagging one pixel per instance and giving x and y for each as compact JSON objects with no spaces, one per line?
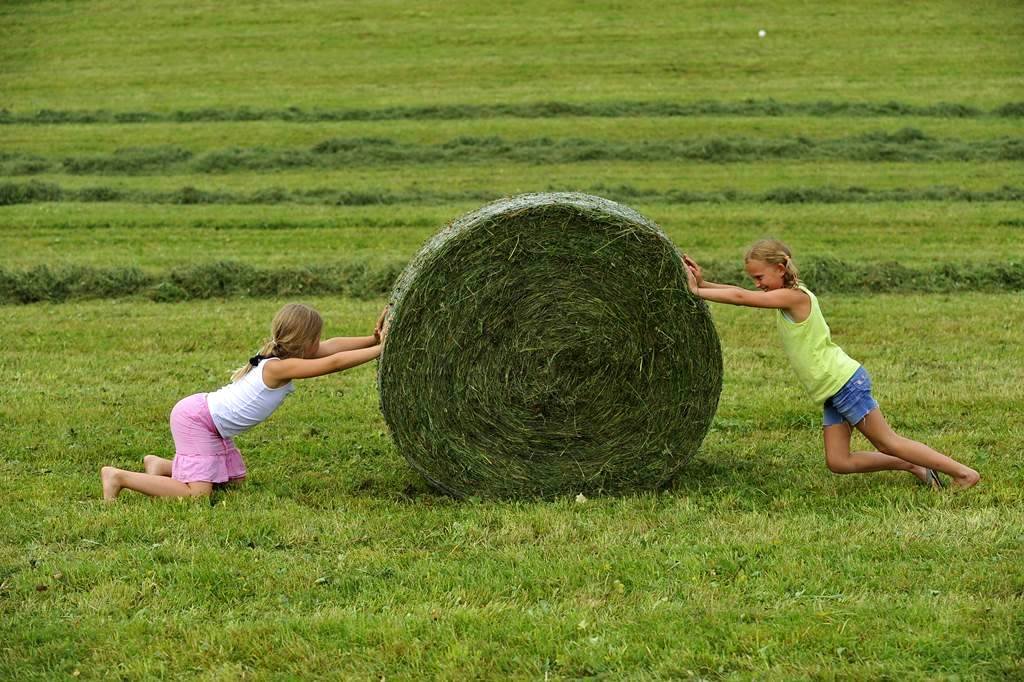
{"x":337,"y":559}
{"x":104,"y":138}
{"x":508,"y":178}
{"x":163,"y":237}
{"x":375,"y":54}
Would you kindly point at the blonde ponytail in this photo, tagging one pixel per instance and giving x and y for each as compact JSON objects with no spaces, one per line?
{"x":267,"y":351}
{"x":294,"y":330}
{"x":774,"y":252}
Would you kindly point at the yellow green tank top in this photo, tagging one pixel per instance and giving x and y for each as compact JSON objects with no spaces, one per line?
{"x":822,"y":366}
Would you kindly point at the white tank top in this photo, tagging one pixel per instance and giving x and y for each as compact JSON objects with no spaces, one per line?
{"x":243,"y":404}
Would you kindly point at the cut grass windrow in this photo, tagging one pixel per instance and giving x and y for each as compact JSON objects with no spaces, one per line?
{"x":12,"y":193}
{"x":611,"y":109}
{"x":368,"y":279}
{"x":904,"y":145}
{"x":358,"y":279}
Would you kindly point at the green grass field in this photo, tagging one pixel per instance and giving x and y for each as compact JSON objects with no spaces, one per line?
{"x":881,"y":141}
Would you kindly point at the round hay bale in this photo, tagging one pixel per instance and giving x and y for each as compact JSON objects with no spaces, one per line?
{"x":547,"y":344}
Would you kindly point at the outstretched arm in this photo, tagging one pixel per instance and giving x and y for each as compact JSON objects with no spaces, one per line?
{"x":779,"y":298}
{"x":785,"y":299}
{"x":343,"y":343}
{"x":698,"y":273}
{"x":279,"y":373}
{"x":715,"y":285}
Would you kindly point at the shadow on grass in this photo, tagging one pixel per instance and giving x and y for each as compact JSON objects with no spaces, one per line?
{"x":718,"y":480}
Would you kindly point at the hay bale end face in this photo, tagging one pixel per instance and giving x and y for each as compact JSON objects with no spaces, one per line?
{"x":547,"y":344}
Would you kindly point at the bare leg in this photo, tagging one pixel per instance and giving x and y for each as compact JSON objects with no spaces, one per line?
{"x":888,"y":441}
{"x":841,"y":461}
{"x":158,"y":486}
{"x":156,"y":466}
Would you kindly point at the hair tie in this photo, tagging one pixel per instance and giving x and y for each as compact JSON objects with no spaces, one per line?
{"x":255,"y":360}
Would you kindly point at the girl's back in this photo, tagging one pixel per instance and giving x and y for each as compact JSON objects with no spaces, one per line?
{"x":243,"y":404}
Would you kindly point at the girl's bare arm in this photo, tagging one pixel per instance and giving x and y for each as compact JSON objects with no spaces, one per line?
{"x":279,"y":373}
{"x":714,"y":285}
{"x":698,"y":274}
{"x":343,"y":343}
{"x":786,"y":299}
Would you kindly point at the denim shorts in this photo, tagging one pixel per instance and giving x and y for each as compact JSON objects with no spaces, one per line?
{"x":852,"y":402}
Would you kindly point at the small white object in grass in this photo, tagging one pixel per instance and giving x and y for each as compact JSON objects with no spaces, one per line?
{"x":581,"y":498}
{"x":761,"y":33}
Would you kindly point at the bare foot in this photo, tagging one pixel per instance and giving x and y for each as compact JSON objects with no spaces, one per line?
{"x":108,"y":476}
{"x":967,"y":479}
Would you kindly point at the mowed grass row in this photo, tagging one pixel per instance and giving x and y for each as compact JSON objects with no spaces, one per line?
{"x":223,"y":156}
{"x":372,"y":54}
{"x":160,"y":237}
{"x":67,"y":140}
{"x":906,"y":145}
{"x":345,"y":153}
{"x":971,"y":224}
{"x":550,"y":109}
{"x":505,"y":177}
{"x":336,"y":558}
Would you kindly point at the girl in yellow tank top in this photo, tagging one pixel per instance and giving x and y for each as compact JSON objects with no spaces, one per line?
{"x":830,"y":377}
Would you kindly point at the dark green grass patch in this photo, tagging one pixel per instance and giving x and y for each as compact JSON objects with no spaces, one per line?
{"x":448,"y":112}
{"x":904,"y":145}
{"x":364,"y":278}
{"x":811,"y":195}
{"x":34,"y":191}
{"x":836,"y":275}
{"x":494,"y":180}
{"x":58,"y":142}
{"x":128,"y":161}
{"x":361,"y":279}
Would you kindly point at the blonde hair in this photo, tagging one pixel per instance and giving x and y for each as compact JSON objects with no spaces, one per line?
{"x":774,"y":252}
{"x":294,"y":329}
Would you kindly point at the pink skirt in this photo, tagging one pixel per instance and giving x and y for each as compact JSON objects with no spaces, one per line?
{"x":200,"y":452}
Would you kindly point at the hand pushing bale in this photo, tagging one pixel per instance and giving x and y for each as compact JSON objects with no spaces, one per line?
{"x":548,"y":344}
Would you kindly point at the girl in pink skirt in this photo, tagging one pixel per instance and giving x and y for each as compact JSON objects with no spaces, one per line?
{"x":203,"y":425}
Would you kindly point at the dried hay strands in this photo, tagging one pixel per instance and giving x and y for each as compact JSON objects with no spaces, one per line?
{"x":547,"y":344}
